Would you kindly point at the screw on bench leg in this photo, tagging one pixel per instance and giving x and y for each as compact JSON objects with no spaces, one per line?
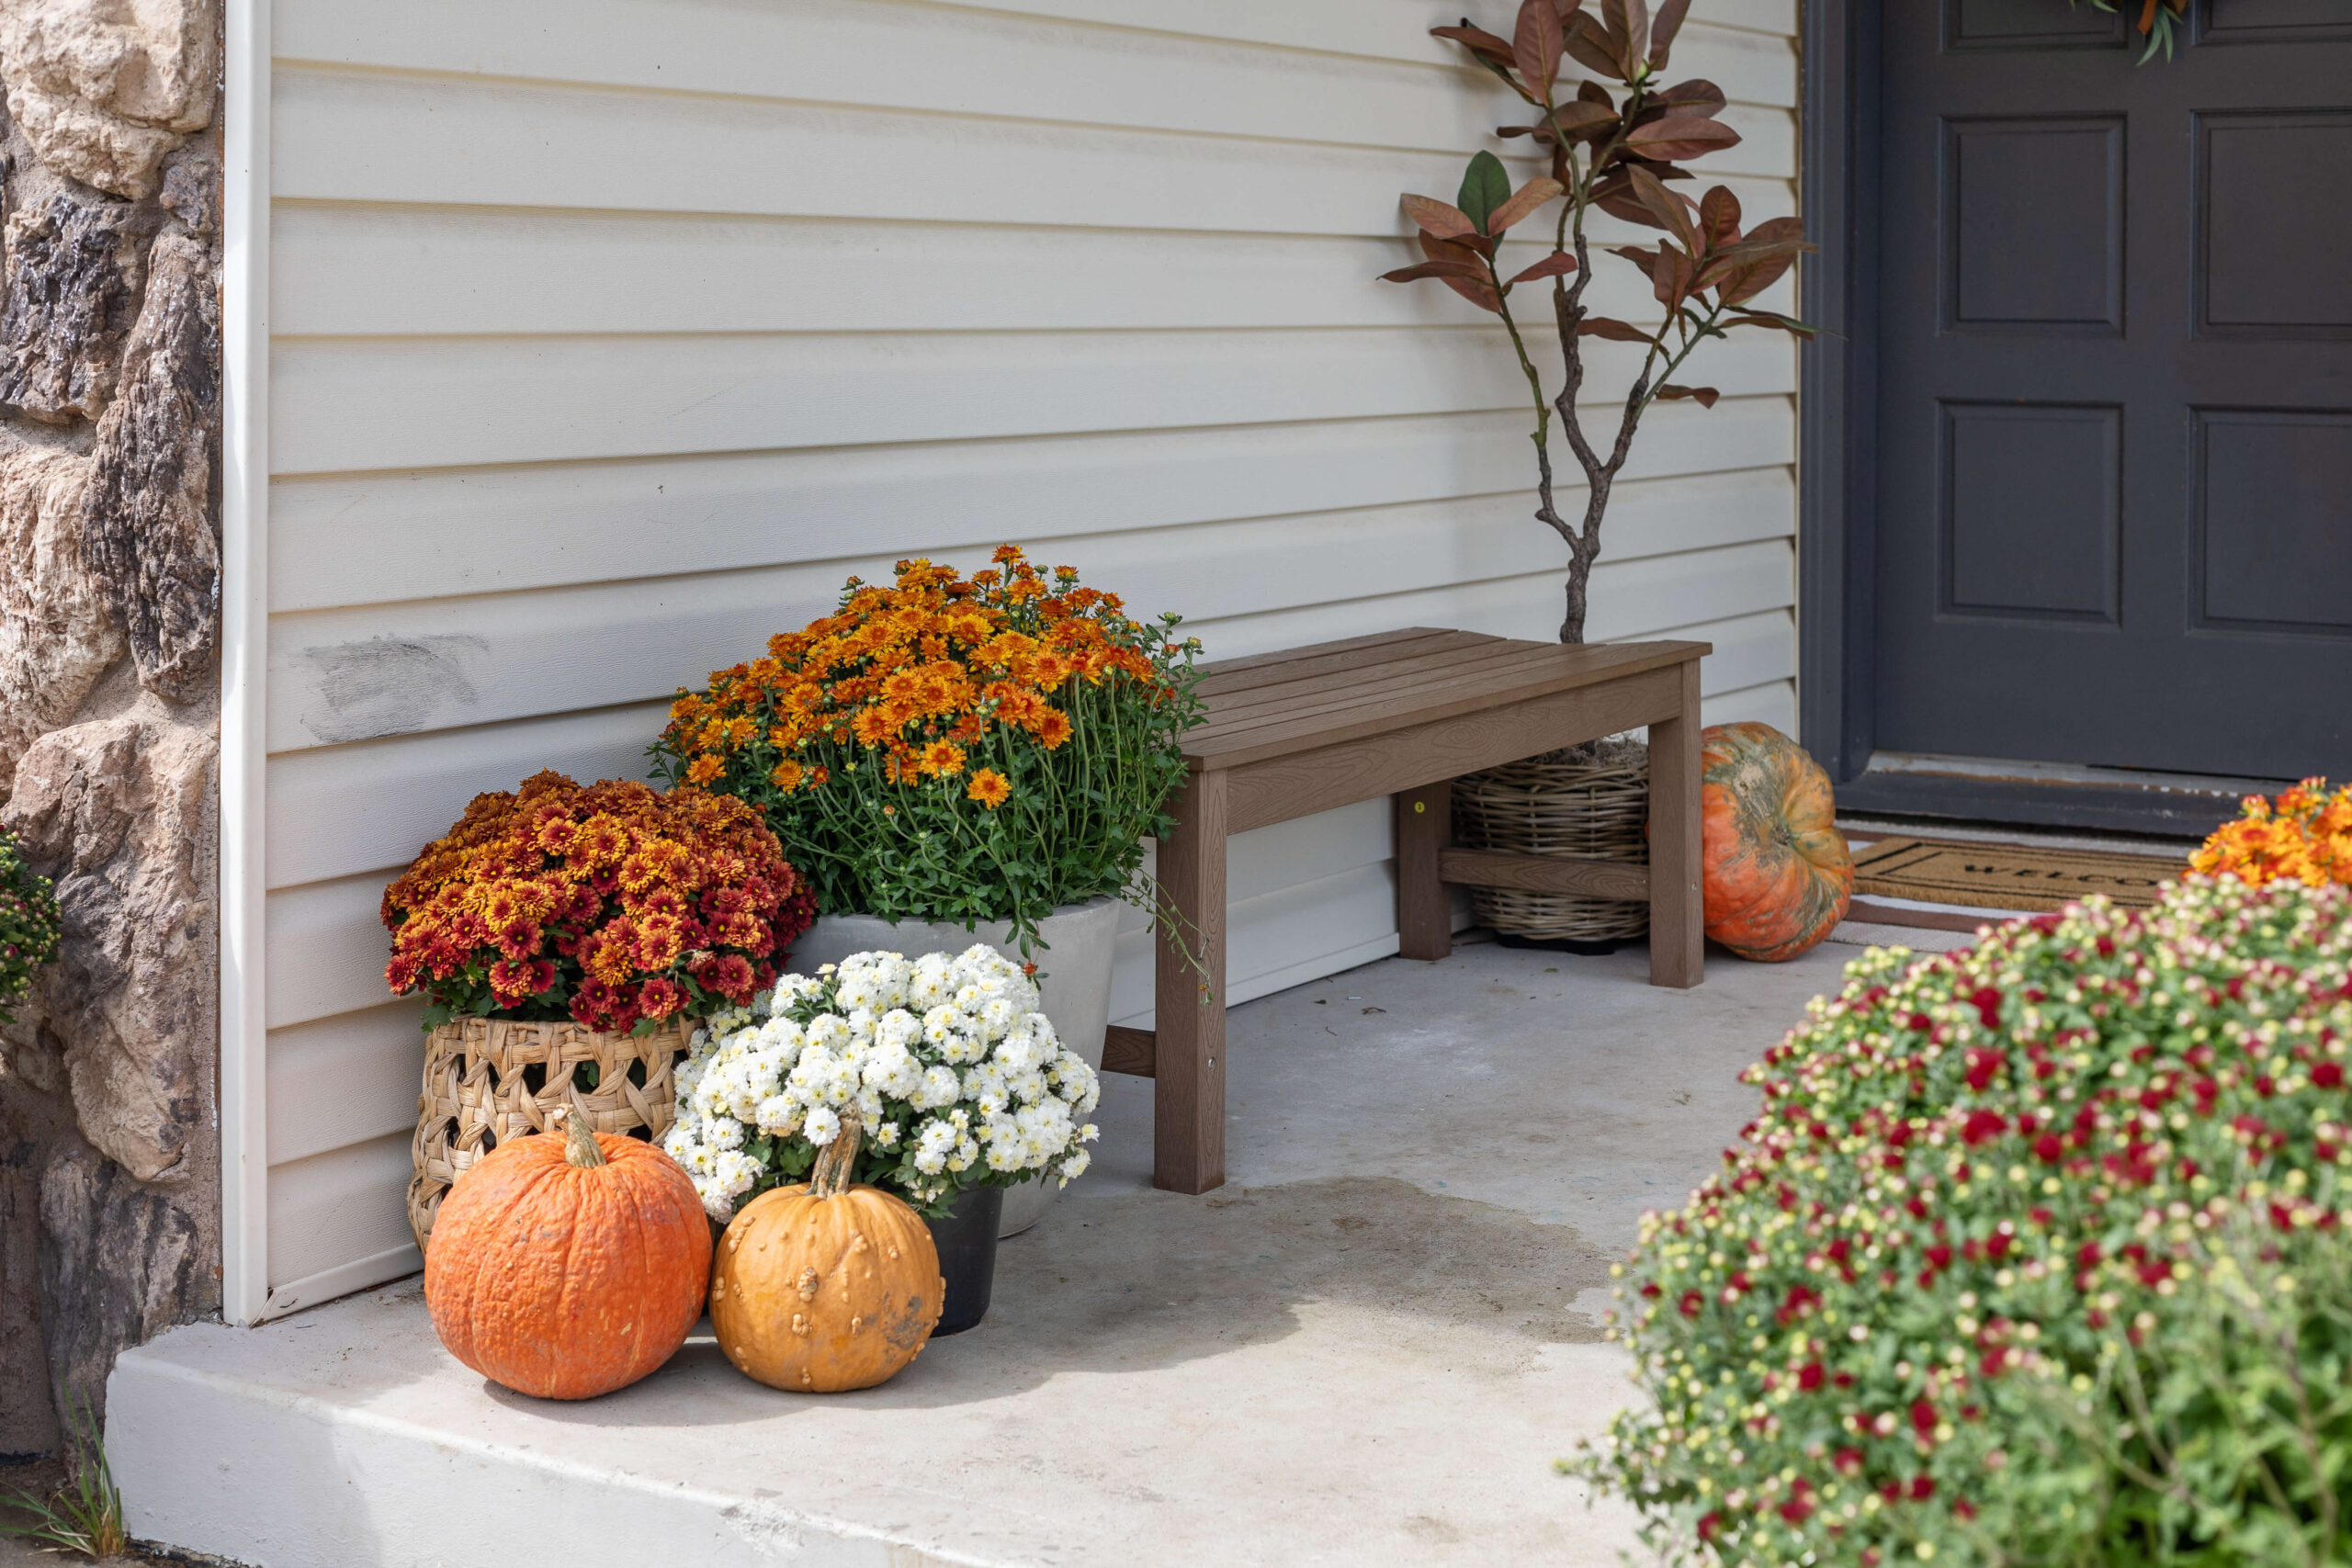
{"x":1424,"y":907}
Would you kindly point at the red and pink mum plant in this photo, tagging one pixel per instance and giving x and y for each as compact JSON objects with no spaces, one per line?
{"x":610,"y":905}
{"x":2036,"y":1253}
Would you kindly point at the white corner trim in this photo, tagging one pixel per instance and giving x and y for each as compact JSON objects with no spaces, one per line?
{"x":381,"y":1268}
{"x":244,"y":649}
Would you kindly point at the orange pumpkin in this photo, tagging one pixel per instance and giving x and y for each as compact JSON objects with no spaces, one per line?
{"x":569,"y":1266}
{"x":1779,"y":877}
{"x":827,"y":1287}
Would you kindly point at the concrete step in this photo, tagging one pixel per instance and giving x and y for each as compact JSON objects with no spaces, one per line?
{"x":1368,"y":1349}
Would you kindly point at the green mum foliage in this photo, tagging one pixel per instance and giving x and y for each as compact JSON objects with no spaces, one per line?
{"x":2035,"y":1253}
{"x":29,"y":926}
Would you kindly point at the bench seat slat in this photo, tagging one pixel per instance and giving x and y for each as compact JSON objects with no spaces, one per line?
{"x":1231,"y":674}
{"x":1547,"y":667}
{"x":1372,"y":684}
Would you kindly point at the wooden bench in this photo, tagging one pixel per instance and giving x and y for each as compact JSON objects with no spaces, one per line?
{"x":1400,"y":713}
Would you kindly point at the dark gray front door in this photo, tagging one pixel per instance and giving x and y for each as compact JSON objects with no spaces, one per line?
{"x":2115,"y":413}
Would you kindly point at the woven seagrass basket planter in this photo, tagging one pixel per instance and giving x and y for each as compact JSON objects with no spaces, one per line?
{"x":1587,"y":802}
{"x":487,"y":1080}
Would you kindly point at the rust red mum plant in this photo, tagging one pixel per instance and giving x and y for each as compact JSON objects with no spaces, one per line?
{"x":611,"y":905}
{"x":2035,"y":1253}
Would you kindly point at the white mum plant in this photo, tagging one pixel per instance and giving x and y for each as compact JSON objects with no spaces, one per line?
{"x":958,"y":1079}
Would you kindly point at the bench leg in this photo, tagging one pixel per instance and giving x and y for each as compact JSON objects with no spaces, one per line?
{"x":1424,"y":907}
{"x":1677,"y":923}
{"x":1188,"y":1083}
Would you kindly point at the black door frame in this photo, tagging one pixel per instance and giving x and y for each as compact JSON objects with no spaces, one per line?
{"x":1837,"y":482}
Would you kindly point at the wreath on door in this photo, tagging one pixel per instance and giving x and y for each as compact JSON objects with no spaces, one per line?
{"x":2157,"y":21}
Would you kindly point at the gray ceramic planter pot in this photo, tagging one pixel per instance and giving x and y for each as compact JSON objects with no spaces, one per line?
{"x":1076,"y":990}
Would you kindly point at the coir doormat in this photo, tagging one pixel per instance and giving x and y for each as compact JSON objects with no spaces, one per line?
{"x":2006,"y":876}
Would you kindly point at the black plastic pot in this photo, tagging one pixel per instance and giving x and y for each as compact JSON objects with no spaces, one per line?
{"x":967,"y":1243}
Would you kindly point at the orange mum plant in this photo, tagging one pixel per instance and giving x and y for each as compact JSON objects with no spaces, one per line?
{"x":611,"y":905}
{"x":950,"y":748}
{"x":2304,"y":835}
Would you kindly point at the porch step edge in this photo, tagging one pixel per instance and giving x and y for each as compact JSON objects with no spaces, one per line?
{"x":276,"y":1477}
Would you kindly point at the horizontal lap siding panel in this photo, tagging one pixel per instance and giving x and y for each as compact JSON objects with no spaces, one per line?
{"x":360,"y":136}
{"x":342,"y":271}
{"x":336,"y":1208}
{"x":344,"y":1080}
{"x":1775,"y":705}
{"x":993,"y":63}
{"x":1385,"y":29}
{"x":381,"y":539}
{"x":385,"y":403}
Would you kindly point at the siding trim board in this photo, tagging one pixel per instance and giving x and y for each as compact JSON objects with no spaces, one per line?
{"x":605,"y":344}
{"x":244,"y":654}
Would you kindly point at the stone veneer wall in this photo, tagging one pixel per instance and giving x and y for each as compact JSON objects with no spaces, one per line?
{"x":110,"y":693}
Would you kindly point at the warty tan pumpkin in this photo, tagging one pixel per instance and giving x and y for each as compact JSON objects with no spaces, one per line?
{"x":827,"y":1287}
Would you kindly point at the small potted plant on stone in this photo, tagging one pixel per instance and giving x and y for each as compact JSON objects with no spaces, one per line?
{"x":565,"y":938}
{"x":958,"y":1081}
{"x":955,"y":758}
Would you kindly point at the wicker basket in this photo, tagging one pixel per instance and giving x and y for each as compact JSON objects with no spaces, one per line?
{"x":1586,"y":803}
{"x":487,"y":1080}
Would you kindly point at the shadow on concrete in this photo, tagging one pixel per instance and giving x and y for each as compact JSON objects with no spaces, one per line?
{"x":1132,"y":1282}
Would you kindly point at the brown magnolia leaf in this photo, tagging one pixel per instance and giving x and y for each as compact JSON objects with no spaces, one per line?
{"x":1536,"y":46}
{"x":1719,"y":217}
{"x":1673,"y":212}
{"x":1580,"y":118}
{"x":1559,"y":264}
{"x":1773,"y":229}
{"x":1756,"y":279}
{"x":1541,"y":133}
{"x":1568,"y":8}
{"x":1772,"y":319}
{"x":1629,"y":33}
{"x":1482,"y":295}
{"x":1668,"y":22}
{"x":1671,"y":276}
{"x":1698,"y":96}
{"x":1467,"y":249}
{"x":1475,"y":273}
{"x":1478,"y":42}
{"x":1588,"y":46}
{"x":1527,"y":199}
{"x":1612,"y":329}
{"x":1618,"y":200}
{"x":1440,"y":217}
{"x":1681,"y":136}
{"x":1642,"y":256}
{"x":1703,"y":396}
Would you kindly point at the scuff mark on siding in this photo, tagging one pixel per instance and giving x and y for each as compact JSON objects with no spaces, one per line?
{"x":389,"y":685}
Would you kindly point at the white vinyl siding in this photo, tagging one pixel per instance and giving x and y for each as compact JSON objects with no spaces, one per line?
{"x":609,"y":337}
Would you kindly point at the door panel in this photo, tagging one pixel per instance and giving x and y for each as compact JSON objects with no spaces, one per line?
{"x":2115,"y":396}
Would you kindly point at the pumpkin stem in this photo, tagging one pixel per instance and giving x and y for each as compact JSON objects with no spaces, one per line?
{"x":582,"y":1149}
{"x":837,"y":1162}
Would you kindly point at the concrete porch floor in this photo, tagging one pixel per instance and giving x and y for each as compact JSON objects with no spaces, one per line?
{"x":1369,"y":1348}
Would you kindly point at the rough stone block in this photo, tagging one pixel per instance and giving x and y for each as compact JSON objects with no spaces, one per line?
{"x":57,"y":636}
{"x":72,"y":299}
{"x":104,"y":88}
{"x":120,"y":813}
{"x":27,"y":1419}
{"x":146,"y":514}
{"x":119,"y":1263}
